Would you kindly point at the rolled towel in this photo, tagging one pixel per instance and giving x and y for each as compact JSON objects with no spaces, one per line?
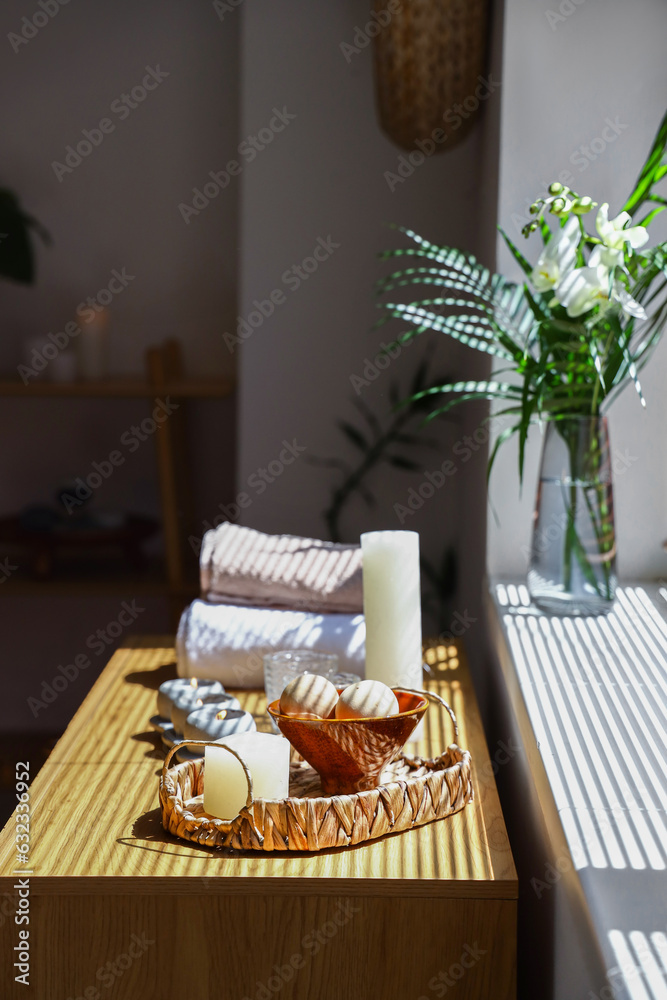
{"x":226,"y":642}
{"x":242,"y":566}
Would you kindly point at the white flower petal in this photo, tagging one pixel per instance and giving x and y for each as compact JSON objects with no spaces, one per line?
{"x":629,"y":305}
{"x":612,"y":233}
{"x":583,"y":289}
{"x":558,"y":257}
{"x":602,"y":219}
{"x":606,"y":257}
{"x":571,"y":229}
{"x":620,"y":220}
{"x":636,"y":236}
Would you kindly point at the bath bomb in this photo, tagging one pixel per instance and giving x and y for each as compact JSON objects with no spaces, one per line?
{"x":366,"y":700}
{"x":309,"y":694}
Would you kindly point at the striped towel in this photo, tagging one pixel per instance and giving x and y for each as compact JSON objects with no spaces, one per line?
{"x":239,"y":565}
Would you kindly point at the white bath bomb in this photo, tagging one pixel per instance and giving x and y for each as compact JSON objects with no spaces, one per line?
{"x":366,"y":700}
{"x":309,"y":694}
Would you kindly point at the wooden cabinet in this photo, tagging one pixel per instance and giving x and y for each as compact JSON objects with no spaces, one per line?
{"x":116,"y":902}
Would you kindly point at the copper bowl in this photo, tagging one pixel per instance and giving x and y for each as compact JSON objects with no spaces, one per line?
{"x":349,"y":754}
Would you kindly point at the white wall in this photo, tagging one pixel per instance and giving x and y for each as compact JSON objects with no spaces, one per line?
{"x":119,"y":208}
{"x":563,"y":77}
{"x":324,"y":175}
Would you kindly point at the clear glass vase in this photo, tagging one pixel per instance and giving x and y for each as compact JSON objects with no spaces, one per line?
{"x":573,"y":551}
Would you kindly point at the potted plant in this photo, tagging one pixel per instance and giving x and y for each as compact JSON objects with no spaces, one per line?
{"x":565,"y":343}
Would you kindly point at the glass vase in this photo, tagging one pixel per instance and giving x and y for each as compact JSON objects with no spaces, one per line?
{"x":573,"y":551}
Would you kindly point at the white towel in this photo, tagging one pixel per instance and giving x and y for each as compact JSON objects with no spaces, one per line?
{"x":226,"y":642}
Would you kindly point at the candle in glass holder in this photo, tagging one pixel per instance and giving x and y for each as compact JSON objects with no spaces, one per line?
{"x":211,"y":722}
{"x":225,"y":785}
{"x":190,"y":701}
{"x":392,"y":608}
{"x":169,"y":691}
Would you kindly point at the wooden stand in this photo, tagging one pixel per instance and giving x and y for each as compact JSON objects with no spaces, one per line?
{"x":396,"y":918}
{"x":165,"y":378}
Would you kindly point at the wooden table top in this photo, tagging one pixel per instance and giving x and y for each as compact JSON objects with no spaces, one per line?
{"x":95,"y":822}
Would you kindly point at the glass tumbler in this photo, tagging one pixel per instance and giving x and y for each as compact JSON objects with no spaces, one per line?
{"x":282,"y":667}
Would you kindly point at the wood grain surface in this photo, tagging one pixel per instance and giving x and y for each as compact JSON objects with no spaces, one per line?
{"x":104,"y":869}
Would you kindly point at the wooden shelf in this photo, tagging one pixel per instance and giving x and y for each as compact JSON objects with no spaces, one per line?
{"x":164,"y":376}
{"x":124,"y":387}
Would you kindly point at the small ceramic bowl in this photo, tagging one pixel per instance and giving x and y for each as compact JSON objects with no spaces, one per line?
{"x":349,"y":754}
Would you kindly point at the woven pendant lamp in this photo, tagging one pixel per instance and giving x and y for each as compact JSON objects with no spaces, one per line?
{"x":429,"y":58}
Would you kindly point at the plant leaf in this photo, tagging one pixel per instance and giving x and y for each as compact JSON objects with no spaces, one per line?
{"x":652,"y":171}
{"x":353,"y":435}
{"x":402,"y":463}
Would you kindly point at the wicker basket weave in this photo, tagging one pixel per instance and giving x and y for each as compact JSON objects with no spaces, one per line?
{"x":413,"y":791}
{"x":429,"y":57}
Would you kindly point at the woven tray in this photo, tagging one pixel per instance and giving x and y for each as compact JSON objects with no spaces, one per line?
{"x":413,"y":791}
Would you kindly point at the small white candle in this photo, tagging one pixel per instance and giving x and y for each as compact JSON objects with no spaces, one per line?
{"x":392,"y":608}
{"x":225,"y":785}
{"x":190,"y":701}
{"x":213,"y":722}
{"x":169,"y":691}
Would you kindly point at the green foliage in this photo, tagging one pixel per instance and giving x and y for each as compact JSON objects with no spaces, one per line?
{"x":652,"y":173}
{"x":377,"y":441}
{"x":392,"y":440}
{"x":551,"y":366}
{"x":17,"y":260}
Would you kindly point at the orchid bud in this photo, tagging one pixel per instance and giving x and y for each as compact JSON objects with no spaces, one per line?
{"x":582,"y":205}
{"x":557,"y":205}
{"x":556,"y":188}
{"x":536,"y":206}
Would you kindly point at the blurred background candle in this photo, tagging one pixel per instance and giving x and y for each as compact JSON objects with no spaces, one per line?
{"x":392,"y":607}
{"x":225,"y":785}
{"x":92,"y":346}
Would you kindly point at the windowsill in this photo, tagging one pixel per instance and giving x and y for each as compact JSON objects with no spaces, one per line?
{"x":590,"y":699}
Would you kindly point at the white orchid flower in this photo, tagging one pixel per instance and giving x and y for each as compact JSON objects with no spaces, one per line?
{"x":614,"y":236}
{"x":586,"y":287}
{"x":603,"y":256}
{"x":558,"y":257}
{"x":629,"y":306}
{"x":619,"y":294}
{"x":583,"y":288}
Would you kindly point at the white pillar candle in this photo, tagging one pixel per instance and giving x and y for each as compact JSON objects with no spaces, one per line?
{"x":169,"y":691}
{"x":225,"y":785}
{"x":92,"y":346}
{"x":392,"y":608}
